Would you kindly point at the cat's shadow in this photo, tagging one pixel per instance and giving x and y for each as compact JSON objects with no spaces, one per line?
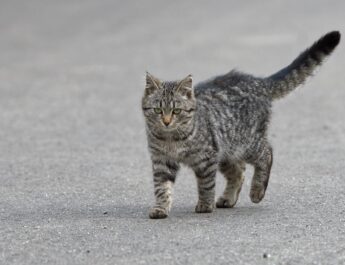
{"x":115,"y":213}
{"x":187,"y":211}
{"x":243,"y":211}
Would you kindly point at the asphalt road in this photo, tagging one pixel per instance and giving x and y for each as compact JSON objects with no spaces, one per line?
{"x":75,"y":175}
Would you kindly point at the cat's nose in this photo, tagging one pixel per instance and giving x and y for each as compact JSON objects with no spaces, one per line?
{"x":167,"y":120}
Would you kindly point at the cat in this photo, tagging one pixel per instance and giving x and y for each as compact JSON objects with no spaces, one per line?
{"x":219,"y":124}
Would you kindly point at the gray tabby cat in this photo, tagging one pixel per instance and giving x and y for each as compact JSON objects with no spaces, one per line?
{"x":220,"y":124}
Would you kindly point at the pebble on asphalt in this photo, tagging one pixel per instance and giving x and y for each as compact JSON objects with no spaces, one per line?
{"x":266,"y":255}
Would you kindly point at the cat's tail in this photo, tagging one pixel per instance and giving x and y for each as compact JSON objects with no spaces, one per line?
{"x":295,"y":74}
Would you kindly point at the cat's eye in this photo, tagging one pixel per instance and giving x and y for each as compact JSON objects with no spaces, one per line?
{"x":176,"y":111}
{"x":157,"y":110}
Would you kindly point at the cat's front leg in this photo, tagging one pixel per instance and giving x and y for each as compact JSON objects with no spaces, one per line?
{"x":164,"y":174}
{"x":205,"y":171}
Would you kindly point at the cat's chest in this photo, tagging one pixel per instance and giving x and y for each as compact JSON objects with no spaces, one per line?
{"x":176,"y":150}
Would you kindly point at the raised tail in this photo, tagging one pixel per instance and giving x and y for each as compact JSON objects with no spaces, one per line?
{"x":295,"y":74}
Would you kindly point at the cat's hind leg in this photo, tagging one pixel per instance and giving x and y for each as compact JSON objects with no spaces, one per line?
{"x":233,"y":173}
{"x":262,"y":168}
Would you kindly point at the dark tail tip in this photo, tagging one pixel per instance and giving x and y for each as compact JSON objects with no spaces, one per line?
{"x":328,"y":42}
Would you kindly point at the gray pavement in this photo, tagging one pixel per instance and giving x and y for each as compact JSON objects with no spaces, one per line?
{"x":75,"y":176}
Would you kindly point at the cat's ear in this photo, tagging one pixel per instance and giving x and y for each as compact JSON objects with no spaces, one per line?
{"x":185,"y":87}
{"x":152,"y":84}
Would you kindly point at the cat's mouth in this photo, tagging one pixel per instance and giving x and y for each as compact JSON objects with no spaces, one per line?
{"x":168,"y":128}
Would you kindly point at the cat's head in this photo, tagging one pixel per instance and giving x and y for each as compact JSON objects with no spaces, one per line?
{"x":168,"y":105}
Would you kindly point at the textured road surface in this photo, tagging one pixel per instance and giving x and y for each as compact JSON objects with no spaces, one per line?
{"x":75,"y":176}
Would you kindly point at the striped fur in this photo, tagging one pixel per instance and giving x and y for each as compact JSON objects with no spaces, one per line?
{"x":220,"y":124}
{"x":287,"y":79}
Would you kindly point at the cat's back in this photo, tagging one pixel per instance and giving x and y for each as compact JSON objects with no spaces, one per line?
{"x":232,"y":80}
{"x":229,"y":100}
{"x":233,"y":88}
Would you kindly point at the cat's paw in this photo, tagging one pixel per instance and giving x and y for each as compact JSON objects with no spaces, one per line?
{"x":158,"y":213}
{"x":225,"y":203}
{"x":257,"y":194}
{"x":203,"y":207}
